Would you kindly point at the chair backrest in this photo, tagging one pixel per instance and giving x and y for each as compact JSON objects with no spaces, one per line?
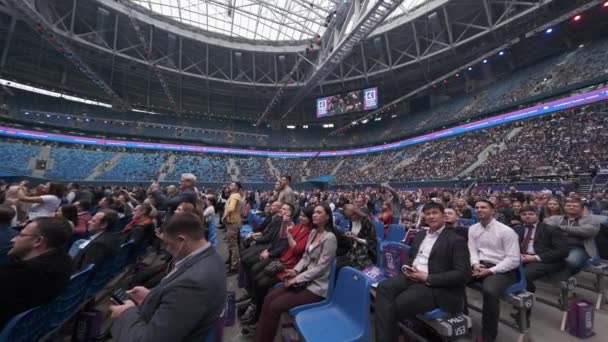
{"x":212,"y":232}
{"x":69,"y":301}
{"x":396,"y":219}
{"x":123,"y":258}
{"x":352,"y":298}
{"x":379,"y":227}
{"x":466,"y":222}
{"x":343,"y":225}
{"x":520,"y":284}
{"x":102,"y":275}
{"x":27,"y":326}
{"x":395,"y":233}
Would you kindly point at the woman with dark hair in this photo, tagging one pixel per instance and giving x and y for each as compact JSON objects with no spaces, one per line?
{"x":70,"y":213}
{"x":308,"y":281}
{"x":47,"y":199}
{"x":274,"y":273}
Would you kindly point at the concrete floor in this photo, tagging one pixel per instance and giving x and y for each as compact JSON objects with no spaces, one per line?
{"x":545,"y":325}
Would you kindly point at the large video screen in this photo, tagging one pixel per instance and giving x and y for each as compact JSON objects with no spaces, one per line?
{"x":355,"y":101}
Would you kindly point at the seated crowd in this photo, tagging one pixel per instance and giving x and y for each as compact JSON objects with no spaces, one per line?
{"x":49,"y":232}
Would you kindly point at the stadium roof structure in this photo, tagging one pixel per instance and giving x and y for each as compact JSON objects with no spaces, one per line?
{"x":202,"y":58}
{"x":272,"y":20}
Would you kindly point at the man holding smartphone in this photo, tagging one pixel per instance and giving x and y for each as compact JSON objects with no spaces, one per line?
{"x":435,"y":275}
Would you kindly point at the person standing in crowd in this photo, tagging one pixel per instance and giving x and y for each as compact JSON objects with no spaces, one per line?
{"x":516,"y":219}
{"x":41,"y":270}
{"x":102,"y":244}
{"x":188,"y":301}
{"x":285,"y":192}
{"x":362,"y":240}
{"x":543,"y":248}
{"x":308,"y":281}
{"x":495,"y":256}
{"x":232,"y":220}
{"x":580,"y":232}
{"x":187,"y":193}
{"x":45,"y":201}
{"x":386,"y":215}
{"x":435,"y":277}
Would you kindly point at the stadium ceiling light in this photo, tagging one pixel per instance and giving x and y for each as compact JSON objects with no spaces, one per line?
{"x":291,"y":127}
{"x":605,"y":4}
{"x":501,"y":53}
{"x":394,"y":116}
{"x":364,"y":121}
{"x":581,"y":46}
{"x":457,"y":75}
{"x":485,"y":61}
{"x":470,"y":68}
{"x":577,"y":17}
{"x":305,"y":126}
{"x":549,"y":31}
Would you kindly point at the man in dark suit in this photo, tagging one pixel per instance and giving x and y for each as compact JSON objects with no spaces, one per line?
{"x":435,"y":276}
{"x":41,"y":270}
{"x":102,"y":244}
{"x":187,"y":193}
{"x":187,"y":302}
{"x":543,"y":247}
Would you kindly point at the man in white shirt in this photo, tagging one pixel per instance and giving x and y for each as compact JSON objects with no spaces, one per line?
{"x":494,"y":250}
{"x":434,"y":277}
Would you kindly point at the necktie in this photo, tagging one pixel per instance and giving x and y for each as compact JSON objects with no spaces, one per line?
{"x":524,"y":245}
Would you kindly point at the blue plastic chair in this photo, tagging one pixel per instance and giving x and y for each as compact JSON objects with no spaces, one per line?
{"x":379,"y":227}
{"x":466,"y":222}
{"x":245,"y":229}
{"x":102,"y":276}
{"x":396,"y":219}
{"x":125,"y":256}
{"x":346,"y":317}
{"x":212,"y":238}
{"x":330,"y":292}
{"x":28,"y":326}
{"x":69,"y":301}
{"x":395,"y":233}
{"x":519,"y":285}
{"x":343,"y":225}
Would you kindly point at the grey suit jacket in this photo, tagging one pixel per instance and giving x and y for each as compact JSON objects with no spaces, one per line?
{"x":315,"y":265}
{"x":183,"y":307}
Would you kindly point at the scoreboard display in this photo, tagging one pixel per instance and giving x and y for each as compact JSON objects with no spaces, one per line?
{"x":354,"y":101}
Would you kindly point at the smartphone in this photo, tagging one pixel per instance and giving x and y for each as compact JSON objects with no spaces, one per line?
{"x":119,"y":296}
{"x":405,"y":268}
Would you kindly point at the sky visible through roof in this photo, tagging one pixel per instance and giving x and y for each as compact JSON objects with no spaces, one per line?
{"x":270,"y":20}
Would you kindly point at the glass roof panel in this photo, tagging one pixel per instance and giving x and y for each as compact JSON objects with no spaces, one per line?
{"x":257,"y":19}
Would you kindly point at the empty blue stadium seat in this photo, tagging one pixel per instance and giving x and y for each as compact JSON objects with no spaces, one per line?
{"x":379,"y":227}
{"x":346,"y":317}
